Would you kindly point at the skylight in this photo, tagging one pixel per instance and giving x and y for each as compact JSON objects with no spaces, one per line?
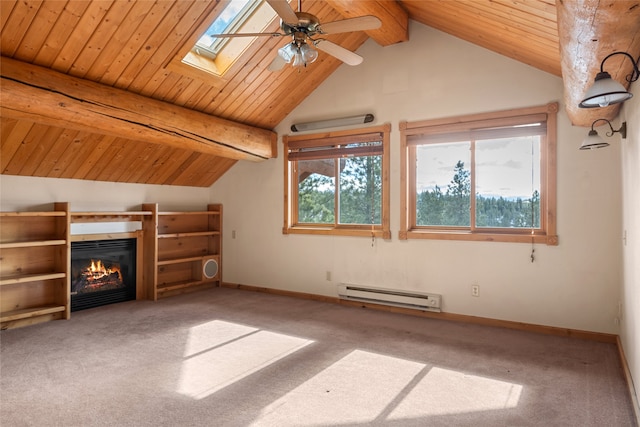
{"x":231,"y":18}
{"x":206,"y":56}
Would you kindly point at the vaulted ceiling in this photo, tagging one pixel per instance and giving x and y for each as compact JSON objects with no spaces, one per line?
{"x":92,"y":89}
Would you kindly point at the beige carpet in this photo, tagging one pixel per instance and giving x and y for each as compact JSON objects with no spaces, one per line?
{"x":228,"y":357}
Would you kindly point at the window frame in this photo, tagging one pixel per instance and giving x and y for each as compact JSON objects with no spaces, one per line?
{"x":548,"y":182}
{"x":211,"y":51}
{"x":235,"y":53}
{"x":291,"y":225}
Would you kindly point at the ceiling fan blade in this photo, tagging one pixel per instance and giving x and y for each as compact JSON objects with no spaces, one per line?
{"x":247,"y":35}
{"x":277,"y":64}
{"x":339,"y":52}
{"x":283,"y":9}
{"x":361,"y":23}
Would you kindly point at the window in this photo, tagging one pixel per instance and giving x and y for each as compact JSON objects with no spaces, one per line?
{"x":484,"y":177}
{"x":338,"y":183}
{"x":207,"y":58}
{"x":231,"y":18}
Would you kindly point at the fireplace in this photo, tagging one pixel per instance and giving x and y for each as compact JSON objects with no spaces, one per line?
{"x":102,"y":272}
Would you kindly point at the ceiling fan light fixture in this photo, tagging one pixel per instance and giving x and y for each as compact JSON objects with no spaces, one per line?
{"x":298,"y":60}
{"x":300,"y":55}
{"x":288,"y":52}
{"x":302,"y":27}
{"x":309,"y":54}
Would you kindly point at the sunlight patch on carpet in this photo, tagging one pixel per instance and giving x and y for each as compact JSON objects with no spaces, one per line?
{"x":365,"y":387}
{"x":444,"y":392}
{"x":213,"y":334}
{"x":219,"y":353}
{"x":355,"y":389}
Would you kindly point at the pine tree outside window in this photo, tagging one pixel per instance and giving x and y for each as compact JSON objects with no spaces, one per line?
{"x":338,"y":183}
{"x":484,"y":177}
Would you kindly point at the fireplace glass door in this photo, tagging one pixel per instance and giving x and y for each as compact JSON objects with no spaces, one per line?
{"x":102,"y":272}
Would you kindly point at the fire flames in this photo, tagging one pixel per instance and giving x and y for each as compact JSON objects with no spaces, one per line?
{"x":97,"y":271}
{"x":97,"y":277}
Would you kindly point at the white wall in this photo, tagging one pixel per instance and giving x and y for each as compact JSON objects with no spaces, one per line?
{"x":574,"y":285}
{"x":27,"y":193}
{"x":30,"y":193}
{"x":630,"y":331}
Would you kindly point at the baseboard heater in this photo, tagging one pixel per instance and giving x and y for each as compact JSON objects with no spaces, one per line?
{"x":416,"y":300}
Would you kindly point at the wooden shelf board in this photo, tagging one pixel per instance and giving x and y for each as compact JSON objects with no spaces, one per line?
{"x":32,"y":214}
{"x":191,"y":213}
{"x":182,"y":260}
{"x":32,"y":244}
{"x":26,"y":278}
{"x":166,"y":287}
{"x":105,"y":236}
{"x":111,"y":213}
{"x":108,"y":216}
{"x":189,"y":234}
{"x":25,"y":313}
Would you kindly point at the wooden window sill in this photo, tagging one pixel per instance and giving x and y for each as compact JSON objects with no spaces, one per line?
{"x":478,"y":237}
{"x":384,"y":234}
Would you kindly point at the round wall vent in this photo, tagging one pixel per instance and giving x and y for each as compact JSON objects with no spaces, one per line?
{"x":210,"y":268}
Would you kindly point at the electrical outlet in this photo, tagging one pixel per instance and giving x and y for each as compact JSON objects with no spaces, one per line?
{"x":328,"y":276}
{"x":475,"y":290}
{"x":233,"y":234}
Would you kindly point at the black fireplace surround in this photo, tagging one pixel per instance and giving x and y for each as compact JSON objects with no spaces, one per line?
{"x":102,"y":272}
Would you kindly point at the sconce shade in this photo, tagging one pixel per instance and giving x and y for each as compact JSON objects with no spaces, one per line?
{"x":592,"y":141}
{"x":604,"y":92}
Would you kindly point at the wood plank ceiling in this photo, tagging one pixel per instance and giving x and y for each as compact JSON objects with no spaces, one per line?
{"x":130,"y":45}
{"x":526,"y":31}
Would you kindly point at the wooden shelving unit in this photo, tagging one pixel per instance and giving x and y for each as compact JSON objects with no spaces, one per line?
{"x":182,"y":250}
{"x":177,"y":252}
{"x":34,"y":266}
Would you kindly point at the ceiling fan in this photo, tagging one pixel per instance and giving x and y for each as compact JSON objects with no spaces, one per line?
{"x":302,"y":27}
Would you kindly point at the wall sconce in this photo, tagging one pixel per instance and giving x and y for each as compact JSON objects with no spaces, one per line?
{"x":593,"y":140}
{"x":606,"y":91}
{"x":343,"y":121}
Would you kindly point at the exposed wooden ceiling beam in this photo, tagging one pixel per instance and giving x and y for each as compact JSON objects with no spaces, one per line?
{"x":590,"y":30}
{"x":395,"y":20}
{"x":45,"y":96}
